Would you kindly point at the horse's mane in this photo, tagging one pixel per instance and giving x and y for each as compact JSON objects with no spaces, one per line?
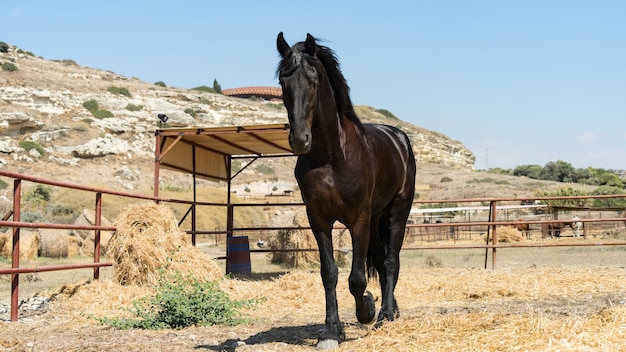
{"x":329,"y":60}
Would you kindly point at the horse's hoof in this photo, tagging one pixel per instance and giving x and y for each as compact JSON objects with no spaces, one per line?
{"x":367,"y":310}
{"x":327,"y":345}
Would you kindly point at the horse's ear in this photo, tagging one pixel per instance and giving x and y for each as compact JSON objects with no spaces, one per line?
{"x":310,"y":45}
{"x":281,"y":45}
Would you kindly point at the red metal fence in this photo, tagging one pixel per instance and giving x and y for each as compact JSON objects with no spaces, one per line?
{"x":489,"y":224}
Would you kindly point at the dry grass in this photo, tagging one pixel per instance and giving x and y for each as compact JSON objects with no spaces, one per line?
{"x":148,"y":240}
{"x":575,"y":309}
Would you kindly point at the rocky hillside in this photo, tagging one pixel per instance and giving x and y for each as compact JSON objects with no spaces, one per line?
{"x":45,"y":130}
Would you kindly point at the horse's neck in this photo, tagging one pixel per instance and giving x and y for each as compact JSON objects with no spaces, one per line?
{"x":333,"y":133}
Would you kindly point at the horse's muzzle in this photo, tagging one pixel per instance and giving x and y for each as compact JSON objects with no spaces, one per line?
{"x":300,"y":144}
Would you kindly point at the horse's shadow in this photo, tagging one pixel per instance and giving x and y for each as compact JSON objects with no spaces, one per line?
{"x":301,"y":335}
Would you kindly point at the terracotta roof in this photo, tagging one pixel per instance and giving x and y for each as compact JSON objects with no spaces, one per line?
{"x":265,"y":92}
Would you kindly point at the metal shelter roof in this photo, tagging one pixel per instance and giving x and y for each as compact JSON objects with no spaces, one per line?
{"x":206,"y":152}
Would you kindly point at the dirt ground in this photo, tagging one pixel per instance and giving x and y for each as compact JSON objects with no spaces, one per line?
{"x":543,"y":299}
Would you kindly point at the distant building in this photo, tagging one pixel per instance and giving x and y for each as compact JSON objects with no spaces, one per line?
{"x":265,"y":93}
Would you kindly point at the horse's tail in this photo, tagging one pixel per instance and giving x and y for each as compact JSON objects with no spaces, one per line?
{"x":377,"y":250}
{"x":370,"y":268}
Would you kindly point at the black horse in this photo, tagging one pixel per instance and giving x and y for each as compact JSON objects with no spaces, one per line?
{"x":362,"y":175}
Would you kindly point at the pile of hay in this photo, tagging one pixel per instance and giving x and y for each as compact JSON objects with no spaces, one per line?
{"x":29,"y":244}
{"x":304,"y":239}
{"x":148,"y":241}
{"x":504,"y":235}
{"x":58,"y":244}
{"x":86,"y":238}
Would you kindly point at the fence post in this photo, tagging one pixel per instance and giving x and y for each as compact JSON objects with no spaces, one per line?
{"x":15,"y":262}
{"x":96,"y":240}
{"x":494,"y":236}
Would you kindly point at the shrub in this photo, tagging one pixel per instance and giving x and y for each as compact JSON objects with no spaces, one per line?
{"x":28,"y":145}
{"x":277,"y":106}
{"x":9,"y":67}
{"x":160,"y":84}
{"x":119,"y":91}
{"x":204,"y":89}
{"x":3,"y":184}
{"x":387,"y":114}
{"x":564,"y":192}
{"x":27,"y":216}
{"x":191,"y":112}
{"x":38,"y":194}
{"x":264,"y":169}
{"x":445,"y":179}
{"x":181,"y":302}
{"x":91,"y":105}
{"x":94,"y":109}
{"x":4,"y":47}
{"x":20,"y":51}
{"x":133,"y":107}
{"x":101,"y":114}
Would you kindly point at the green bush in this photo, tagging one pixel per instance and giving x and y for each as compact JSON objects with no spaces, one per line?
{"x":181,"y":302}
{"x":28,"y":216}
{"x":4,"y":47}
{"x":20,"y":51}
{"x":91,"y":105}
{"x":191,"y":112}
{"x":101,"y":114}
{"x":264,"y":169}
{"x":9,"y":67}
{"x":119,"y":91}
{"x":3,"y":184}
{"x":387,"y":114}
{"x":38,"y":194}
{"x":204,"y":89}
{"x":28,"y":145}
{"x":94,"y":109}
{"x":160,"y":84}
{"x":133,"y":107}
{"x":445,"y":179}
{"x":564,"y":192}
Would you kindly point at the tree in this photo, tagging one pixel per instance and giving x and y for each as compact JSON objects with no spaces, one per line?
{"x":559,"y":171}
{"x":530,"y":171}
{"x":610,"y":179}
{"x":608,"y":202}
{"x":586,"y":176}
{"x":216,"y":87}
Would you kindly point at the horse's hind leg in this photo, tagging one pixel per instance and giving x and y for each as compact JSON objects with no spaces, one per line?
{"x":392,"y":228}
{"x":365,"y":307}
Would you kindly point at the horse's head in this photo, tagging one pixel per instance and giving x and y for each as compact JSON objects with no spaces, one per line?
{"x":298,"y":77}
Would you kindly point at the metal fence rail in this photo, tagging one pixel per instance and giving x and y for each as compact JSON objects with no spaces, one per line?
{"x":491,"y":225}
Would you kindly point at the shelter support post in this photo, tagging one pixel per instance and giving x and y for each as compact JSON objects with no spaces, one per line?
{"x":494,"y":235}
{"x":15,"y":262}
{"x":96,"y":244}
{"x":157,"y":164}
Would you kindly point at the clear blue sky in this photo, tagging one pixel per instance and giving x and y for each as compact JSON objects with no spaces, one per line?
{"x":517,"y":82}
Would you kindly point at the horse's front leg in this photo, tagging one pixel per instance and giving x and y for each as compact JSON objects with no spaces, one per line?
{"x":365,"y":307}
{"x":333,"y":332}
